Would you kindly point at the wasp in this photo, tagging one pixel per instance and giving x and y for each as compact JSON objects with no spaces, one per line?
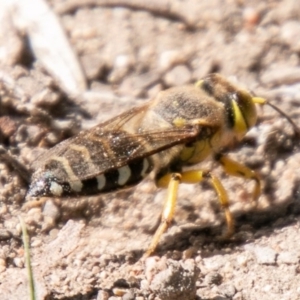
{"x":180,"y":127}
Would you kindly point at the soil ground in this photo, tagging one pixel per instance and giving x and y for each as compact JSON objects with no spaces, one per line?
{"x":91,"y":247}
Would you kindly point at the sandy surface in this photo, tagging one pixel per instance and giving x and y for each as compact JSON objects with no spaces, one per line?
{"x":91,"y":248}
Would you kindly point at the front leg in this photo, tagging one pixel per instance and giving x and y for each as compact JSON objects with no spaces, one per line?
{"x":234,"y":168}
{"x":172,"y":181}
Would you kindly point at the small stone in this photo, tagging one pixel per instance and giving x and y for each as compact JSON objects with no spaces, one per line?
{"x":154,"y":265}
{"x":35,"y":243}
{"x":4,"y":234}
{"x":3,"y":209}
{"x":95,"y":270}
{"x":119,"y":292}
{"x":144,"y":284}
{"x":251,"y":17}
{"x":170,"y":58}
{"x":290,"y":34}
{"x":102,"y":295}
{"x":213,"y":278}
{"x":11,"y":224}
{"x":103,"y":275}
{"x":34,"y":216}
{"x":188,"y":253}
{"x":238,"y":296}
{"x":129,"y":296}
{"x":7,"y":126}
{"x":45,"y":98}
{"x":176,"y":255}
{"x":51,"y":210}
{"x":228,"y":290}
{"x":2,"y":262}
{"x":287,"y":257}
{"x":19,"y":262}
{"x":178,"y":281}
{"x":2,"y":269}
{"x":265,"y":255}
{"x":242,"y":260}
{"x":179,"y":75}
{"x":29,"y":133}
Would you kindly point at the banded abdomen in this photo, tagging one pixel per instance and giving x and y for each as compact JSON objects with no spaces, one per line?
{"x":91,"y":163}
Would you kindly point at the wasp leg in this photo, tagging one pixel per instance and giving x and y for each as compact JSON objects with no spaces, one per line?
{"x":234,"y":168}
{"x":196,"y":177}
{"x":171,"y":181}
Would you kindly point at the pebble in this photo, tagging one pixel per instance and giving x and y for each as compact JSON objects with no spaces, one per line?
{"x":178,"y":281}
{"x":19,"y":262}
{"x":45,"y":97}
{"x":95,"y":270}
{"x":238,"y":296}
{"x":154,"y":265}
{"x":35,"y":242}
{"x":11,"y":224}
{"x":179,"y":75}
{"x":102,"y":295}
{"x":119,"y":292}
{"x":265,"y":255}
{"x":213,"y":278}
{"x":242,"y":260}
{"x":144,"y":284}
{"x":290,"y":34}
{"x":129,"y":296}
{"x":4,"y":234}
{"x":170,"y":58}
{"x":228,"y":290}
{"x":188,"y":253}
{"x":51,"y":210}
{"x":2,"y":269}
{"x":251,"y":17}
{"x":287,"y":257}
{"x":2,"y":262}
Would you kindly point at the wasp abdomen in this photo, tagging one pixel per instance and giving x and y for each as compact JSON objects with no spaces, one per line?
{"x":62,"y":181}
{"x":126,"y":176}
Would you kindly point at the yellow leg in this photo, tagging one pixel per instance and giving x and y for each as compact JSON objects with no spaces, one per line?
{"x":234,"y":168}
{"x":197,"y":176}
{"x":168,"y":210}
{"x":172,"y":181}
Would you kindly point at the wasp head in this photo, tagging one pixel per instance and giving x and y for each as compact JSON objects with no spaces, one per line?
{"x":239,"y":104}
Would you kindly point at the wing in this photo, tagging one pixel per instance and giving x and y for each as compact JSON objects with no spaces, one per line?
{"x":115,"y":143}
{"x":113,"y":124}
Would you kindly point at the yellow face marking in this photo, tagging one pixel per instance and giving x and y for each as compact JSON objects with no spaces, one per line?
{"x":240,"y":126}
{"x":74,"y":181}
{"x":124,"y":175}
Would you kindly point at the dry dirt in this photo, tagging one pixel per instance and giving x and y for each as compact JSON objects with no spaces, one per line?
{"x":91,"y":248}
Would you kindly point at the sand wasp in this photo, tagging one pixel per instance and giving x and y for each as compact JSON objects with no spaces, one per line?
{"x":180,"y":127}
